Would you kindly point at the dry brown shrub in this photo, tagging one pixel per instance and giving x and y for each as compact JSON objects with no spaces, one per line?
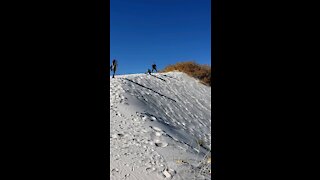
{"x":193,"y":69}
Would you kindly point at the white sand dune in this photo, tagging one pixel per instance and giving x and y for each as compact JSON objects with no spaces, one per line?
{"x":160,"y":127}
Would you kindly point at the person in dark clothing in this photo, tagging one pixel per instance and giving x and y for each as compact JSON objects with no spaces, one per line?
{"x":154,"y":67}
{"x":149,"y":71}
{"x":113,"y":67}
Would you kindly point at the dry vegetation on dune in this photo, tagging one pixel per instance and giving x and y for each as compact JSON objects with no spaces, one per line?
{"x":193,"y":69}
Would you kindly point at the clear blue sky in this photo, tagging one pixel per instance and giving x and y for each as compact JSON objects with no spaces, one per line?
{"x":160,"y":31}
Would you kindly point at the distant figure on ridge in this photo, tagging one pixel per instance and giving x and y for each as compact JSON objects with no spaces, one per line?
{"x":113,"y":67}
{"x":154,"y":67}
{"x":149,"y":71}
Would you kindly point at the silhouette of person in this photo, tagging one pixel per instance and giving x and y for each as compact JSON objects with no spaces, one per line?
{"x":113,"y":67}
{"x":149,"y":71}
{"x":154,"y":67}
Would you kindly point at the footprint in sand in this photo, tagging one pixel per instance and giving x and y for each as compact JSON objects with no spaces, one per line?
{"x":160,"y":143}
{"x":117,"y":135}
{"x":150,"y":169}
{"x":156,"y":128}
{"x":157,"y":137}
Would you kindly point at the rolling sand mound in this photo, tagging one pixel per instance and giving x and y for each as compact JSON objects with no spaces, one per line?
{"x":160,"y":127}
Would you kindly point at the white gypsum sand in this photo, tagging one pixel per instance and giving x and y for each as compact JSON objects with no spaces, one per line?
{"x":160,"y":127}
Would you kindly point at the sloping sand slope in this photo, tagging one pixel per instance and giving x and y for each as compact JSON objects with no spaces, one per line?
{"x":160,"y":127}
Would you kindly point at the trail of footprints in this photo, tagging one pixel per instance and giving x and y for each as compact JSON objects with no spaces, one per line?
{"x":136,"y":135}
{"x":134,"y":142}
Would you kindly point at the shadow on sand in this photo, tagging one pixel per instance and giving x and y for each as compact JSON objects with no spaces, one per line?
{"x":158,"y":77}
{"x":150,"y":89}
{"x":169,"y":76}
{"x":173,"y":130}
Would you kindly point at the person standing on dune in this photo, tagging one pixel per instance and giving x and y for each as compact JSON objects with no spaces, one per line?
{"x":113,"y":67}
{"x":154,"y":67}
{"x":149,"y":72}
